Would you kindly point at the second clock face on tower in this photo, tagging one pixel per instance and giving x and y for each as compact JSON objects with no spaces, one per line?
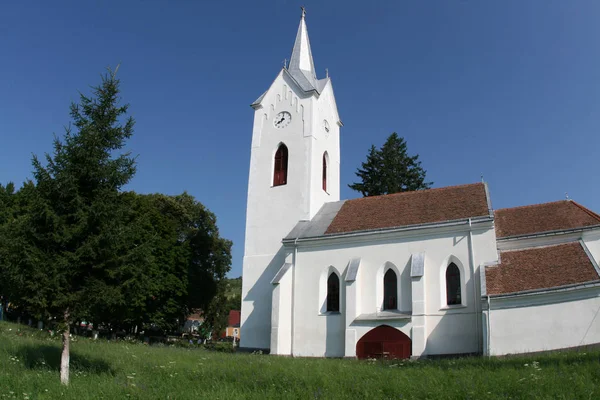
{"x":282,"y":120}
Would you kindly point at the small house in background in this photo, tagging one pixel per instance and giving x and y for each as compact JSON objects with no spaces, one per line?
{"x":193,"y":322}
{"x":233,"y":324}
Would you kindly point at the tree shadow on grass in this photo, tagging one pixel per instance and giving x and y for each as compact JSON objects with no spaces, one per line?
{"x":48,"y":357}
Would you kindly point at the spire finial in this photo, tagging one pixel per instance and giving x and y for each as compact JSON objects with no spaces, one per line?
{"x":285,"y":63}
{"x":567,"y":196}
{"x":327,"y":72}
{"x":301,"y":64}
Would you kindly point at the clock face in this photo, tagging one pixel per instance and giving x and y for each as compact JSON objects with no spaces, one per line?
{"x":326,"y":127}
{"x":282,"y":120}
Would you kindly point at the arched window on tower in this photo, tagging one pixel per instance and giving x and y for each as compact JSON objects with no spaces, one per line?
{"x":390,"y":290}
{"x":325,"y":171}
{"x":453,"y":285}
{"x":333,"y":292}
{"x":281,"y":166}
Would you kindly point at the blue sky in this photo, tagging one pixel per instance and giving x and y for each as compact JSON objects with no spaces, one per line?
{"x":510,"y":89}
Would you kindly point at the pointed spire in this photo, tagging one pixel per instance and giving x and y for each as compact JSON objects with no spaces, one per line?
{"x":301,"y":61}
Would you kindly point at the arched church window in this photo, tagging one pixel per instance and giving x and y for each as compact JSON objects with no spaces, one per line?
{"x":453,"y":295}
{"x":390,"y":290}
{"x":325,"y":171}
{"x":333,"y":292}
{"x":281,"y":166}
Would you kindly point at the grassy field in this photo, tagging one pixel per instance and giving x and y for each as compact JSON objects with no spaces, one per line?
{"x":29,"y":362}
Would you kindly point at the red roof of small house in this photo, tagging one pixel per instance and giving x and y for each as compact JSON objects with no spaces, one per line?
{"x":196,"y":315}
{"x":234,"y":318}
{"x":540,"y":268}
{"x":538,"y":218}
{"x":411,"y":208}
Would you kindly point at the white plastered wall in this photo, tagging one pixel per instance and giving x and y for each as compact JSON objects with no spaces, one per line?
{"x":281,"y":321}
{"x":544,"y":322}
{"x":321,"y":142}
{"x":449,"y":330}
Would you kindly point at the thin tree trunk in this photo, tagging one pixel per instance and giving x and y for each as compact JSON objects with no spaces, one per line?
{"x":64,"y":359}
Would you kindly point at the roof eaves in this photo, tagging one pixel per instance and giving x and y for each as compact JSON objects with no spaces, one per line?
{"x":440,"y":224}
{"x":530,"y":205}
{"x":293,"y":78}
{"x":548,"y":233}
{"x":572,"y":286}
{"x":256,"y":103}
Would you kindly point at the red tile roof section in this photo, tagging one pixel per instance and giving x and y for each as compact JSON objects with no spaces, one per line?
{"x":540,"y":268}
{"x":559,"y":215}
{"x":411,"y":208}
{"x":234,"y":318}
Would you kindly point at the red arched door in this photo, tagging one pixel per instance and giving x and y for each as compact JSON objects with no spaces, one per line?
{"x":384,"y":342}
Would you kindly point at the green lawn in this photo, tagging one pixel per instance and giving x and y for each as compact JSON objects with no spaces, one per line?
{"x":29,"y":362}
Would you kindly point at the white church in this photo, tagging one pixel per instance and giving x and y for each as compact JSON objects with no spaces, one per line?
{"x":414,"y":274}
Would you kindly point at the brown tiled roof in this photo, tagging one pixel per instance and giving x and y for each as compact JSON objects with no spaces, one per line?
{"x":540,"y":268}
{"x":559,"y":215}
{"x":234,"y":318}
{"x":411,"y":208}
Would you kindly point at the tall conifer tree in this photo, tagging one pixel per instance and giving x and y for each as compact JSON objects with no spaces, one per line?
{"x":390,"y":170}
{"x":70,"y":243}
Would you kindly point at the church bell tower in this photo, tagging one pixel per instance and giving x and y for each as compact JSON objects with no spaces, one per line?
{"x":294,"y":170}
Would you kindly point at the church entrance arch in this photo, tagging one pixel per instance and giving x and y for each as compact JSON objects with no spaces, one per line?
{"x":384,"y":342}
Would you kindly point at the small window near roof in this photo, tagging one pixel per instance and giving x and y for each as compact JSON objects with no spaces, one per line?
{"x":453,"y":295}
{"x":333,"y":292}
{"x":281,"y":166}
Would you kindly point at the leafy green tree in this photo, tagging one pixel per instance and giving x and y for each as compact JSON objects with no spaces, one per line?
{"x":184,"y":271}
{"x":67,"y":254}
{"x":390,"y":170}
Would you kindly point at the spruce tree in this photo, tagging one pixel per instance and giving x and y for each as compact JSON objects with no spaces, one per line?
{"x":390,"y":170}
{"x":13,"y":207}
{"x":7,"y":194}
{"x":66,"y":252}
